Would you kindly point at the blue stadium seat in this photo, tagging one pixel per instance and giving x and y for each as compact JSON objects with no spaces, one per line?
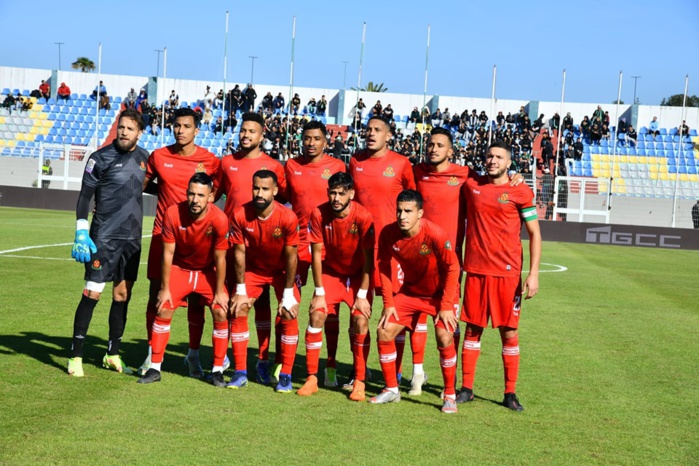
{"x":621,"y":151}
{"x":604,"y":150}
{"x":25,"y":92}
{"x":692,"y":170}
{"x":5,"y":91}
{"x":632,"y":151}
{"x":640,"y":144}
{"x":663,"y":131}
{"x":692,"y":132}
{"x":648,"y":137}
{"x":587,"y":172}
{"x":650,"y":152}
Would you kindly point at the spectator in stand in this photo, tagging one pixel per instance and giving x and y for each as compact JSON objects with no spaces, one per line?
{"x":388,"y":113}
{"x":598,"y":116}
{"x":236,"y":98}
{"x":140,"y":100}
{"x":218,"y":126}
{"x":631,"y":136}
{"x":622,"y":127}
{"x":295,"y":104}
{"x":231,"y":122}
{"x":338,"y":147}
{"x":378,"y":109}
{"x":555,"y":121}
{"x":568,"y":122}
{"x":322,"y":106}
{"x":249,"y":95}
{"x":207,"y":118}
{"x":311,"y":106}
{"x":27,"y":104}
{"x":538,"y":124}
{"x":683,"y":130}
{"x":585,"y":127}
{"x":63,"y":92}
{"x":436,"y":118}
{"x":130,"y":101}
{"x":268,"y":102}
{"x":414,"y":115}
{"x":654,"y":127}
{"x":606,"y":120}
{"x":605,"y":132}
{"x":174,"y":99}
{"x":45,"y":89}
{"x":218,"y":100}
{"x":578,"y":149}
{"x":278,"y":103}
{"x":100,"y":90}
{"x":361,"y":106}
{"x":483,"y":118}
{"x":208,"y":97}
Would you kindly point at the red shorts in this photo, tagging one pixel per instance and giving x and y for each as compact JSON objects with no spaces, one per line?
{"x":184,"y":282}
{"x":255,"y":285}
{"x":155,"y":257}
{"x":340,"y":290}
{"x":410,"y":308}
{"x":486,"y":296}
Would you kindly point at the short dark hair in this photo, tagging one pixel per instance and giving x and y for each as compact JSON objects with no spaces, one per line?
{"x":382,"y":119}
{"x":315,"y":124}
{"x":135,"y":115}
{"x":188,"y":112}
{"x":410,"y":195}
{"x":256,"y":117}
{"x":202,"y":178}
{"x":444,"y":132}
{"x":264,"y":173}
{"x":500,"y":144}
{"x":341,"y":180}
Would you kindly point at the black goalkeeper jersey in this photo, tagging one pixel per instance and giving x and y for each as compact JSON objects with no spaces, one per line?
{"x":118,"y":179}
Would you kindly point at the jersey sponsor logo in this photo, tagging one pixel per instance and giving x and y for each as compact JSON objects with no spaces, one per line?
{"x":326,"y":174}
{"x":118,"y":165}
{"x":235,"y":169}
{"x":183,"y":228}
{"x":424,"y":249}
{"x":354,"y":229}
{"x":297,"y":173}
{"x":447,"y":245}
{"x":389,"y":172}
{"x":168,"y":165}
{"x":453,"y":181}
{"x":277,"y":232}
{"x":358,"y":169}
{"x":90,"y":166}
{"x":251,"y":230}
{"x":396,"y":248}
{"x":504,"y":198}
{"x":142,"y":166}
{"x":96,"y":265}
{"x":201,"y":168}
{"x":424,"y":178}
{"x":209,"y":231}
{"x":475,"y":191}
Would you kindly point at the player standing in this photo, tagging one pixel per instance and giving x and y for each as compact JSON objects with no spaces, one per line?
{"x":307,"y":189}
{"x":235,"y":182}
{"x":264,"y":235}
{"x":195,"y":241}
{"x":114,"y":175}
{"x":495,"y":212}
{"x":431,"y":277}
{"x":172,"y":166}
{"x":346,"y":231}
{"x":379,"y":176}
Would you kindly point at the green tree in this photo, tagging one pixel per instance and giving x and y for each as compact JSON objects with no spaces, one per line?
{"x":676,"y":101}
{"x":83,"y":64}
{"x":621,"y":102}
{"x":371,"y":87}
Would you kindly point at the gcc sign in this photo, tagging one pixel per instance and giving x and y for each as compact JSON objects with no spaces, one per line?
{"x":605,"y":235}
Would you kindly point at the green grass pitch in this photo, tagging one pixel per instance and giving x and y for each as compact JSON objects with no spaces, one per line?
{"x":609,"y":374}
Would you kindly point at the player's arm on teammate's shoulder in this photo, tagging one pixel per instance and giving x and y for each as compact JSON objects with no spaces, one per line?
{"x":516,"y":178}
{"x":318,"y":300}
{"x":531,"y":284}
{"x":164,"y":296}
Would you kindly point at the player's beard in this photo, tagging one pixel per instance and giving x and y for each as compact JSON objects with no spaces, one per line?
{"x":436,"y":162}
{"x":128,"y":147}
{"x":340,"y":209}
{"x":261,"y":204}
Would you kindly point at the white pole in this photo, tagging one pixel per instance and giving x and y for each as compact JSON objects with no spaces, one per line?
{"x":162,"y":113}
{"x":558,"y":146}
{"x":225,"y":64}
{"x":291,"y":86}
{"x":680,"y":150}
{"x":492,"y":106}
{"x":424,"y":93}
{"x":614,"y":143}
{"x":359,"y":78}
{"x":97,"y":97}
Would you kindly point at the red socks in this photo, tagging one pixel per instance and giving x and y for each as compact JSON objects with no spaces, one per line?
{"x":418,"y":339}
{"x":469,"y":356}
{"x":161,"y":335}
{"x":289,"y":342}
{"x":510,"y":362}
{"x":219,"y":342}
{"x":240,"y":335}
{"x":387,"y":358}
{"x":447,"y":361}
{"x":360,"y":352}
{"x":314,"y":343}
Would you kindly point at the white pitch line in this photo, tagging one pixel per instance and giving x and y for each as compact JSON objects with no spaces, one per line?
{"x":559,"y":268}
{"x":41,"y":246}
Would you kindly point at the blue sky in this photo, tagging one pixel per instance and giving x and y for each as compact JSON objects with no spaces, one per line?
{"x":530,"y":42}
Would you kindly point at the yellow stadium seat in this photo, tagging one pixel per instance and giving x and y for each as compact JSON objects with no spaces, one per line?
{"x":47,"y":124}
{"x":43,"y":116}
{"x":595,"y":157}
{"x":44,"y":131}
{"x":633,"y":159}
{"x":623,"y":159}
{"x":2,"y":120}
{"x":664,"y":176}
{"x":33,"y":99}
{"x":653,"y":168}
{"x":2,"y":143}
{"x":11,"y":143}
{"x":34,"y":130}
{"x":662,"y":168}
{"x":595,"y":165}
{"x":39,"y":108}
{"x":33,"y":115}
{"x":684,"y":177}
{"x":19,"y":136}
{"x":618,"y":189}
{"x":616,"y":174}
{"x":694,"y":178}
{"x":604,"y":173}
{"x":604,"y":158}
{"x":653,"y":176}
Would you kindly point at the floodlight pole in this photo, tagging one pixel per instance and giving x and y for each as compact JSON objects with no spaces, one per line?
{"x":59,"y":54}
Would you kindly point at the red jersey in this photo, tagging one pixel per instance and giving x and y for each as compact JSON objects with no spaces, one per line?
{"x":195,"y":240}
{"x":494,"y":215}
{"x":307,"y":187}
{"x":236,"y":178}
{"x":427,"y":260}
{"x":441,"y":193}
{"x":264,"y":240}
{"x":173,"y":172}
{"x":344,"y":239}
{"x":378,"y":181}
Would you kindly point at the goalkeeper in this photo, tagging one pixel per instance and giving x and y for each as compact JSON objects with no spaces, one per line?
{"x":111,"y":249}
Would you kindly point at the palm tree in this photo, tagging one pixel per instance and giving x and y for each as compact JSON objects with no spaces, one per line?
{"x":83,"y":64}
{"x":371,"y":87}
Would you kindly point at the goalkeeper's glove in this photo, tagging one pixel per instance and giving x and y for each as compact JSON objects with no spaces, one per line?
{"x":83,"y":244}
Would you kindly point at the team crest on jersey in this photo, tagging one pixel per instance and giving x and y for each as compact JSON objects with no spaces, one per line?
{"x":504,"y":198}
{"x":201,"y":168}
{"x":453,"y":181}
{"x":389,"y":172}
{"x":142,"y":167}
{"x":424,"y":250}
{"x":326,"y":174}
{"x":209,"y":231}
{"x":447,"y":245}
{"x":354,"y":229}
{"x":96,"y":265}
{"x":277,"y":232}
